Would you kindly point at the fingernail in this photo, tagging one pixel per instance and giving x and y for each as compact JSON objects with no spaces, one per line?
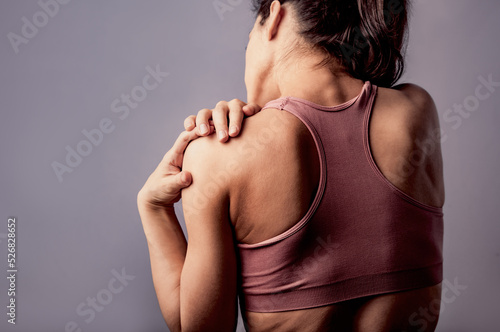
{"x":204,"y":129}
{"x":233,"y":130}
{"x":222,"y":134}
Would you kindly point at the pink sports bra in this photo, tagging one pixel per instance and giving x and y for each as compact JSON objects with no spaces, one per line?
{"x":361,"y":235}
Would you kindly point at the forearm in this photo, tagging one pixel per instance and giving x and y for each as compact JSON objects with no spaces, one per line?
{"x":196,"y":285}
{"x":167,"y":251}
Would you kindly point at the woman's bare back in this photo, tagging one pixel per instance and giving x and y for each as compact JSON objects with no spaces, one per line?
{"x":275,"y":151}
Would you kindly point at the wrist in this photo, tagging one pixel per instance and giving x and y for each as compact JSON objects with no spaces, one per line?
{"x":145,"y":204}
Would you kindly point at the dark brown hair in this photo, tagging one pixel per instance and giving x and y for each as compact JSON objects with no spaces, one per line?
{"x":367,"y":36}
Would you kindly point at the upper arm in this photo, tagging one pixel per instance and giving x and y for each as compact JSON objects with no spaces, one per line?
{"x":208,"y":280}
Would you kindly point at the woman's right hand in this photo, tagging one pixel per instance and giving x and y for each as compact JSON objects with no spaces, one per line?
{"x":226,"y":119}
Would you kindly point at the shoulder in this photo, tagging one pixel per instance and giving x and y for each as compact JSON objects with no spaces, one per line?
{"x":406,"y":113}
{"x":207,"y":197}
{"x":410,"y":106}
{"x":268,"y":135}
{"x":419,"y":105}
{"x":205,"y":158}
{"x":406,"y":142}
{"x":414,"y":92}
{"x":261,"y":135}
{"x":219,"y":164}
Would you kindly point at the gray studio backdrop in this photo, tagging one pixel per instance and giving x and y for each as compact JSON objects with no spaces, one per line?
{"x":93,"y":93}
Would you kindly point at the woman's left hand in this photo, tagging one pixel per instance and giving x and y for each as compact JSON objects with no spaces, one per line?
{"x":225,"y":114}
{"x":164,"y":185}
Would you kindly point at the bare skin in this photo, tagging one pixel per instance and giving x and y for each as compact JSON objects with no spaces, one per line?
{"x":282,"y":193}
{"x":401,"y":118}
{"x":261,"y":182}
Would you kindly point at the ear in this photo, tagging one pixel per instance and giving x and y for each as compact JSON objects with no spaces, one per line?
{"x":274,"y":19}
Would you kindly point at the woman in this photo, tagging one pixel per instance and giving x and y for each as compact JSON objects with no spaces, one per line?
{"x":325,"y":213}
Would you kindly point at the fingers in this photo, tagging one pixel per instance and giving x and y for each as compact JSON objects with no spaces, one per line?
{"x":202,"y":121}
{"x":228,"y":114}
{"x":190,"y":123}
{"x":176,"y":153}
{"x":226,"y":119}
{"x":251,"y":109}
{"x":172,"y":186}
{"x":219,"y":116}
{"x":235,"y":116}
{"x":183,"y":179}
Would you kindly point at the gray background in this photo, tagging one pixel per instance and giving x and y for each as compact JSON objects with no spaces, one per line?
{"x":73,"y":234}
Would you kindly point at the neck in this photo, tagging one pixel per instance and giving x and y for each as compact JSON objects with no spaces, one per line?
{"x":302,"y":79}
